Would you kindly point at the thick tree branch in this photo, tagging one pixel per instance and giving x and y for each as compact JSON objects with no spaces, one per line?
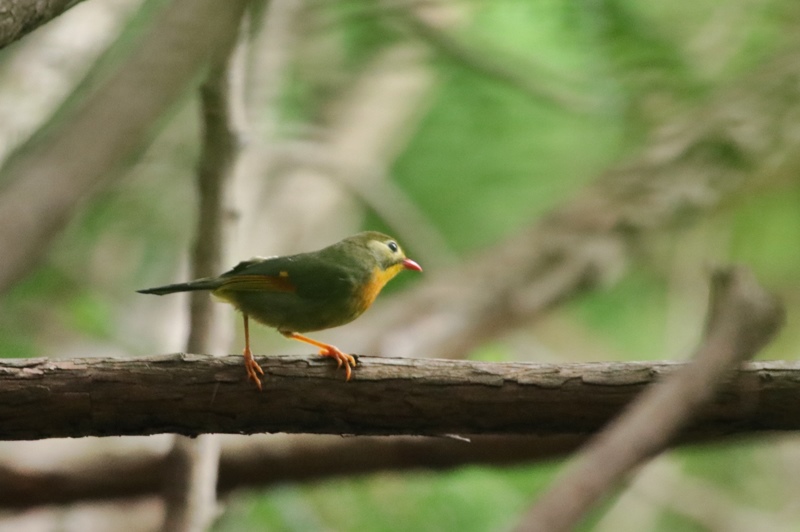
{"x":464,"y":394}
{"x":195,"y":394}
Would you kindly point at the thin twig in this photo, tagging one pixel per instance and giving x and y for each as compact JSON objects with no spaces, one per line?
{"x":518,"y":74}
{"x":190,"y":472}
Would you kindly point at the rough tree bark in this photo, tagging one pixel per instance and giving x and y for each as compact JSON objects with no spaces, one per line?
{"x":195,"y":394}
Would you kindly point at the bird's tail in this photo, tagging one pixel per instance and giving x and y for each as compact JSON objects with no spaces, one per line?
{"x":207,"y":283}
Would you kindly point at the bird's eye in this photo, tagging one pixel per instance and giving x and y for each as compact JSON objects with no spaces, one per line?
{"x":393,"y":246}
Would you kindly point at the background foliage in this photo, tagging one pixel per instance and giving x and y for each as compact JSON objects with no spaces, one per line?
{"x":481,"y":159}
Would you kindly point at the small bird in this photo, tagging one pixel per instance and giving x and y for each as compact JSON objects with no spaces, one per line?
{"x":306,"y":292}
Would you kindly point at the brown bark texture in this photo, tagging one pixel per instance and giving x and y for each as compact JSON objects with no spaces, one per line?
{"x":196,"y":394}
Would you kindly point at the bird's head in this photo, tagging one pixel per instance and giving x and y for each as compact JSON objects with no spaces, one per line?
{"x":385,"y":250}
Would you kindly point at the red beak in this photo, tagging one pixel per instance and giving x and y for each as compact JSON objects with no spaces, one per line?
{"x":409,"y":264}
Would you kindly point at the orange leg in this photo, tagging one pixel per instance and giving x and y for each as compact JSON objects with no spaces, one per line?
{"x":250,"y":364}
{"x":327,"y":350}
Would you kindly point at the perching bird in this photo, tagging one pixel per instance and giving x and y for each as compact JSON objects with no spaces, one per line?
{"x":306,"y":292}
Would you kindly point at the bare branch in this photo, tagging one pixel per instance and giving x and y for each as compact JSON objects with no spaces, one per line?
{"x":266,"y":461}
{"x":395,"y":396}
{"x":520,"y":75}
{"x":742,"y":319}
{"x":196,"y":394}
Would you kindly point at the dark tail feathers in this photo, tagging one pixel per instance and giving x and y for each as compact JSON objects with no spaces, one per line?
{"x":199,"y":284}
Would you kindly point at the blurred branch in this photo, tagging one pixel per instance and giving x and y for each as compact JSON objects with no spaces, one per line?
{"x":45,"y":182}
{"x":262,"y":461}
{"x":267,"y":461}
{"x":20,"y":17}
{"x":372,"y":125}
{"x":665,"y":485}
{"x":743,"y":318}
{"x":746,"y":136}
{"x":196,"y":394}
{"x":520,"y":75}
{"x":220,"y":146}
{"x":271,"y":46}
{"x":190,"y":471}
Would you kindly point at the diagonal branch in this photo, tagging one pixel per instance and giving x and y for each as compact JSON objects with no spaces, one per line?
{"x":531,"y":80}
{"x":43,"y":184}
{"x":743,"y":318}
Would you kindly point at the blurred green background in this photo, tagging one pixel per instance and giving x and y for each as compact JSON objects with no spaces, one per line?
{"x":479,"y":157}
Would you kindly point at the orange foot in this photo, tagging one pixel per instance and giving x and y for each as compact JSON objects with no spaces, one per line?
{"x":341,"y":358}
{"x":327,"y":350}
{"x":252,"y":368}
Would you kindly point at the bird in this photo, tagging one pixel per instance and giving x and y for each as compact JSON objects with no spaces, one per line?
{"x":306,"y":292}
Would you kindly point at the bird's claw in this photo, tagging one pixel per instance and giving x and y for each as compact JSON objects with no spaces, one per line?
{"x":252,"y":368}
{"x":341,"y":358}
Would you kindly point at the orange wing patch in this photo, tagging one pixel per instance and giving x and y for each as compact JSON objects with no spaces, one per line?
{"x":259,"y":283}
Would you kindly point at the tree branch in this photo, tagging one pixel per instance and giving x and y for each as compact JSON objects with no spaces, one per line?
{"x":196,"y":394}
{"x":743,"y":318}
{"x":430,"y":396}
{"x":263,"y":461}
{"x":522,"y":75}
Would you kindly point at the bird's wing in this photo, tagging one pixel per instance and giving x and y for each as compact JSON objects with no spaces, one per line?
{"x":258,"y":283}
{"x":254,"y":263}
{"x":307,"y":275}
{"x":260,"y":275}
